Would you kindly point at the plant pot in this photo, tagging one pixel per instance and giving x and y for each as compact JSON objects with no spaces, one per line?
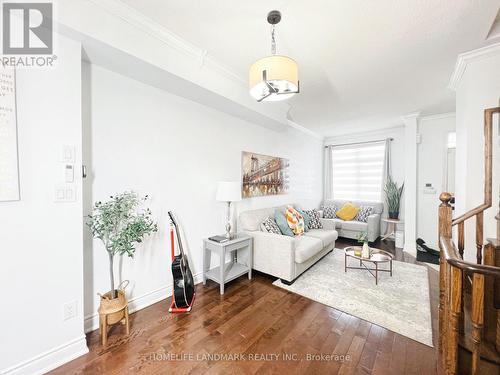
{"x":113,"y":308}
{"x":394,"y":215}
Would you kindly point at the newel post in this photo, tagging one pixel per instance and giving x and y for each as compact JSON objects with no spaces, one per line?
{"x":445,"y":218}
{"x":445,"y":213}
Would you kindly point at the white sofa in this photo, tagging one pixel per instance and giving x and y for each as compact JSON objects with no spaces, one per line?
{"x":352,"y":228}
{"x":283,"y":256}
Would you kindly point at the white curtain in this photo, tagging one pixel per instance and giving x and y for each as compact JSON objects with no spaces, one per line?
{"x":328,"y":174}
{"x":385,"y":176}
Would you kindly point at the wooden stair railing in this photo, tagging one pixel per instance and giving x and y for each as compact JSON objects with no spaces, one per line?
{"x":459,"y":277}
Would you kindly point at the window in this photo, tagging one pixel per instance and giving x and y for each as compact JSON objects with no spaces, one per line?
{"x":357,"y":171}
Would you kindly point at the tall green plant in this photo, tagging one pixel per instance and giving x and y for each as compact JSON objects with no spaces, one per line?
{"x":393,"y":195}
{"x":121,"y":224}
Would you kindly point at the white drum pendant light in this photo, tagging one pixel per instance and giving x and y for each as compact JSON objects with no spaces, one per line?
{"x":275,"y":77}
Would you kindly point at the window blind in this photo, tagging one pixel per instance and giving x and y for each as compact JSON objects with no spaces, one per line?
{"x":357,"y":171}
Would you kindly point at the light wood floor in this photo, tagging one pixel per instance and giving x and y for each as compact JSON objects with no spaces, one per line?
{"x":256,"y":318}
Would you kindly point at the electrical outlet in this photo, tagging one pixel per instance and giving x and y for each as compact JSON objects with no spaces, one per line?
{"x":70,"y":310}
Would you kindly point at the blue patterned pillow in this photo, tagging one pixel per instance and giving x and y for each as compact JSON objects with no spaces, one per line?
{"x":363,"y":213}
{"x":280,"y":219}
{"x":330,"y":212}
{"x":306,"y":218}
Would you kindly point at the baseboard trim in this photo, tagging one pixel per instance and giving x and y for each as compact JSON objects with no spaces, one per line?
{"x":91,"y":322}
{"x":50,"y":359}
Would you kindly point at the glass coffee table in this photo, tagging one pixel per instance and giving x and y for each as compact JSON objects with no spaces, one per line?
{"x":377,"y":257}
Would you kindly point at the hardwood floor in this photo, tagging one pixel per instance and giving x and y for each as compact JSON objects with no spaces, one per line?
{"x":257,"y":324}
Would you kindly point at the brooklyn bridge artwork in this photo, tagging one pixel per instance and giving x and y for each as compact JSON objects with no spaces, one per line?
{"x":264,"y":175}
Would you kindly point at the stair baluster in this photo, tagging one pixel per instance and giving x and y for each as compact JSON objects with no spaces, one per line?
{"x":479,"y":237}
{"x":477,"y":320}
{"x":457,"y":275}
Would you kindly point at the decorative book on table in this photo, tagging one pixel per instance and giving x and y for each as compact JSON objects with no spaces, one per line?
{"x":219,"y":239}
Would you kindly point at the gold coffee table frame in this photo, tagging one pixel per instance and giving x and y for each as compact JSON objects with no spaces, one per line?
{"x":376,"y":256}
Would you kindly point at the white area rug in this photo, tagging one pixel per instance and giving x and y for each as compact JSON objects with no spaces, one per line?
{"x":399,"y":303}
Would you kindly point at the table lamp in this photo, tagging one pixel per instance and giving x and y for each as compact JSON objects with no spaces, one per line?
{"x":228,"y":192}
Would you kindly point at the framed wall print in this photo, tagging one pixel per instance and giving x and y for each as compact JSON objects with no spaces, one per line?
{"x":264,"y":175}
{"x":9,"y":164}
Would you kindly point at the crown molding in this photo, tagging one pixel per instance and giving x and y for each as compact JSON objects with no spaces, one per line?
{"x":437,"y":116}
{"x":305,"y":130}
{"x":154,"y":29}
{"x":202,"y":58}
{"x":467,"y":57}
{"x":411,"y":116}
{"x":362,"y":134}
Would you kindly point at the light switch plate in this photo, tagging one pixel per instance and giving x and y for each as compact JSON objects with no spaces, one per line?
{"x":68,"y":154}
{"x":69,"y":173}
{"x":65,"y":193}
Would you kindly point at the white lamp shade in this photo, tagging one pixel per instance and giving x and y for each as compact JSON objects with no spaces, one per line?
{"x":228,"y":191}
{"x":281,"y":73}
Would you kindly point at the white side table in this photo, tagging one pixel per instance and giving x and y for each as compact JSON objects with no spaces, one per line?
{"x":391,"y":228}
{"x":232,"y":269}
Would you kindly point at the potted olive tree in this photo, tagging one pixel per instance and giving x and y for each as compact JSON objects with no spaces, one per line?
{"x":120,"y":223}
{"x":393,"y":194}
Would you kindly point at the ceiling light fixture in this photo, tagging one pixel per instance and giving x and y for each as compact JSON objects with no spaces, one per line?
{"x":274,"y":77}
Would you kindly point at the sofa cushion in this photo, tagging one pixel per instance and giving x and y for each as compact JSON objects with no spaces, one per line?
{"x":295,"y":220}
{"x":306,"y":218}
{"x":364,"y":212}
{"x":348,"y":211}
{"x":279,"y":217}
{"x":354,"y":225}
{"x":330,"y":212}
{"x":314,"y":222}
{"x":269,"y":226}
{"x":306,"y":247}
{"x":326,"y":236}
{"x":250,"y":220}
{"x":378,"y":207}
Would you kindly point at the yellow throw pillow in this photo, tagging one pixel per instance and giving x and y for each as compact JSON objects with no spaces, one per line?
{"x":348,"y":211}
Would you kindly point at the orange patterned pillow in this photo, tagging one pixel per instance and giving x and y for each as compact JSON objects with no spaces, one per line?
{"x":295,"y":221}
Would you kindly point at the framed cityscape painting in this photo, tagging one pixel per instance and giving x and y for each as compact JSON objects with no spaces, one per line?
{"x":264,"y":175}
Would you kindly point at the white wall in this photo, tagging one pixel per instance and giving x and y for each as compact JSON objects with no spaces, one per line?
{"x":41,"y":241}
{"x":432,"y":152}
{"x":478,"y":89}
{"x":175,"y":150}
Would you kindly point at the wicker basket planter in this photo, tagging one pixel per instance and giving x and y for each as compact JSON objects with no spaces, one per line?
{"x":112,"y":311}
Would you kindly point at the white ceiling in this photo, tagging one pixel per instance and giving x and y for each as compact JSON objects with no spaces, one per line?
{"x":362,"y":63}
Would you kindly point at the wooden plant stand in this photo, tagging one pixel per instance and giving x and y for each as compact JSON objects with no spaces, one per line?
{"x":111,"y":312}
